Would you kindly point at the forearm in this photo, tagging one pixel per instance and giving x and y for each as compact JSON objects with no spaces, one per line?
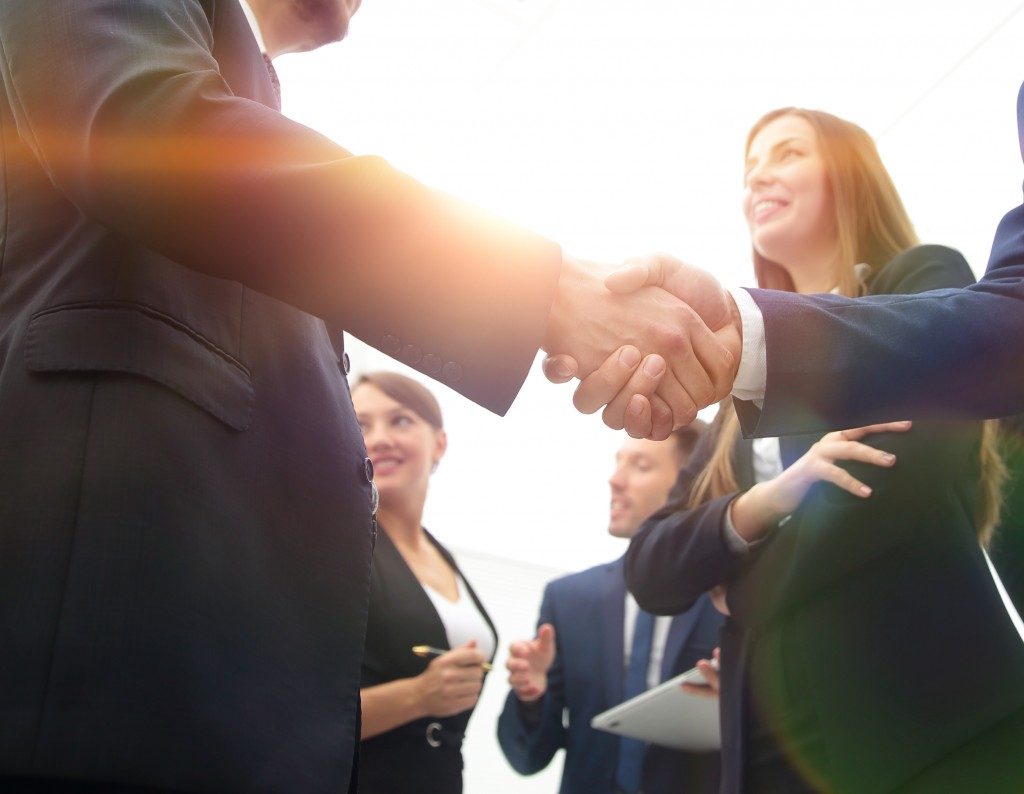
{"x":755,"y":511}
{"x":673,"y":560}
{"x":389,"y":705}
{"x":151,"y":142}
{"x":530,"y":733}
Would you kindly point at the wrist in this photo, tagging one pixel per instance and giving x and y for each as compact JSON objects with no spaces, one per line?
{"x":572,"y":278}
{"x":419,"y":699}
{"x":755,"y":511}
{"x":540,"y":690}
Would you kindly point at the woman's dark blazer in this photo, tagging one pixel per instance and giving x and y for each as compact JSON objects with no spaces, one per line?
{"x":425,"y":755}
{"x":878,"y":617}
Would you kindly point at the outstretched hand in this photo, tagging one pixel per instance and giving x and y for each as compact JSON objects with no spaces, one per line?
{"x":665,"y":375}
{"x":528,"y":664}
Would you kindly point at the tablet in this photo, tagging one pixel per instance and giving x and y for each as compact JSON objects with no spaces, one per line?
{"x":667,"y":716}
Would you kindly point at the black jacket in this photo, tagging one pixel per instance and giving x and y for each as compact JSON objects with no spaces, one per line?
{"x":422,"y":756}
{"x":876,"y":621}
{"x":185,"y":529}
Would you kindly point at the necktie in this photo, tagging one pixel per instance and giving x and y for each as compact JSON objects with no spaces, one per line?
{"x":631,"y":751}
{"x":273,"y":78}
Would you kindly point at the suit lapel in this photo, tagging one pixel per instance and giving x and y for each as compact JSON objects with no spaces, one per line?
{"x":613,"y":608}
{"x":743,"y":463}
{"x":678,"y":633}
{"x":239,"y":58}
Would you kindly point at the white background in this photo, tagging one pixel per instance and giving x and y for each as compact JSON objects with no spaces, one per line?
{"x":617,"y":128}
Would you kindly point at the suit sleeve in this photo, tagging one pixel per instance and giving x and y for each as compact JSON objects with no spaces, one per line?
{"x":679,"y":553}
{"x":122,"y":104}
{"x":947,"y":353}
{"x":531,"y":734}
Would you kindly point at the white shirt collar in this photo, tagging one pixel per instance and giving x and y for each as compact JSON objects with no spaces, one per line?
{"x":254,"y":25}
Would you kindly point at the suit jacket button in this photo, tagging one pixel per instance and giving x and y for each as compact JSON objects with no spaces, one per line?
{"x":431,"y":364}
{"x":346,"y":363}
{"x":452,"y":372}
{"x":390,"y":345}
{"x":368,"y":470}
{"x":411,"y":354}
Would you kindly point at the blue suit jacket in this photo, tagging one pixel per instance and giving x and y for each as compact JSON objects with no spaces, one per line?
{"x":587,"y":611}
{"x":946,"y":353}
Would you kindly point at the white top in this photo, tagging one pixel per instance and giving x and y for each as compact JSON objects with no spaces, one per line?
{"x":462,"y":620}
{"x":661,"y":627}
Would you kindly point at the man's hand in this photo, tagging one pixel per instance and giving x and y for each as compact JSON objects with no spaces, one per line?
{"x":528,"y":664}
{"x":702,"y":356}
{"x":709,"y":667}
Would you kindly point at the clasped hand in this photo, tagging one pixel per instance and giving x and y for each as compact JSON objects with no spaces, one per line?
{"x":653,"y":342}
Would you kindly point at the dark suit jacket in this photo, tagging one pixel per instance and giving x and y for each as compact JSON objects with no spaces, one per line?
{"x":401,"y":616}
{"x":185,"y":529}
{"x":952,"y":353}
{"x":586,"y":678}
{"x":859,"y":616}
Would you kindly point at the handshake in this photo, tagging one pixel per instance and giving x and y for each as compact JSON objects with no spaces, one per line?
{"x":653,"y":342}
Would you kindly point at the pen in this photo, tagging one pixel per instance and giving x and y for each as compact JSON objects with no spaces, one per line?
{"x":427,"y":651}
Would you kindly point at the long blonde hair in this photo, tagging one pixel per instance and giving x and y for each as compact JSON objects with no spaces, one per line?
{"x":872,"y":227}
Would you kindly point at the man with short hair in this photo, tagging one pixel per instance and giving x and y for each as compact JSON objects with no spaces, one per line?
{"x":594,"y":645}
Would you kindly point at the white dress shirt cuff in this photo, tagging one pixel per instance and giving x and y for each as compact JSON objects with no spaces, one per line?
{"x":753,"y":369}
{"x":733,"y":541}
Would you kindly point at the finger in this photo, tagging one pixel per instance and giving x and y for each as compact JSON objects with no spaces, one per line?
{"x":519,"y":648}
{"x":467,"y":655}
{"x":637,"y":419}
{"x":560,"y":368}
{"x":602,"y":385}
{"x":662,"y":421}
{"x":677,"y":397}
{"x":855,"y":450}
{"x":720,"y":363}
{"x":546,"y":638}
{"x":690,"y":367}
{"x":857,"y":433}
{"x":700,"y":691}
{"x":636,"y":273}
{"x":643,"y":381}
{"x":710,"y":674}
{"x":843,"y":479}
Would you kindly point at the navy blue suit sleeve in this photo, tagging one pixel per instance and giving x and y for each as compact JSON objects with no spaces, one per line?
{"x":122,"y":103}
{"x":949,"y":353}
{"x":679,"y":553}
{"x":530,"y":744}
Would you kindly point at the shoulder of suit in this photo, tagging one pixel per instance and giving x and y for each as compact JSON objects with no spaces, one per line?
{"x":582,"y":579}
{"x":903,"y":265}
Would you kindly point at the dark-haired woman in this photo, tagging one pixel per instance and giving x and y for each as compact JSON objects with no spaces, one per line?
{"x":414,"y":710}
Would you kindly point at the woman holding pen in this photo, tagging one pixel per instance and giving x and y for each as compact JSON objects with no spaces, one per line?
{"x":415,"y":705}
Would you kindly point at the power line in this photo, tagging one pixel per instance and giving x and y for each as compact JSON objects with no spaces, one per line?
{"x":945,"y":75}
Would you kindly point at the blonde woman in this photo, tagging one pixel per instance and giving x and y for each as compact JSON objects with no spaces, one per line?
{"x":867,"y":648}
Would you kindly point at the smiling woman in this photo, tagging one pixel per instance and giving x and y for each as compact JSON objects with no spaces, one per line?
{"x":412,"y":708}
{"x":857,"y":583}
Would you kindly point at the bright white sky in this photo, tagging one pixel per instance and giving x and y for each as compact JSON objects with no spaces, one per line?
{"x":617,"y":128}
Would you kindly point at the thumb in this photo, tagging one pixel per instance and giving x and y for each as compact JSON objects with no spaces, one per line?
{"x":645,"y":271}
{"x":630,"y":278}
{"x":560,"y":368}
{"x":546,"y":637}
